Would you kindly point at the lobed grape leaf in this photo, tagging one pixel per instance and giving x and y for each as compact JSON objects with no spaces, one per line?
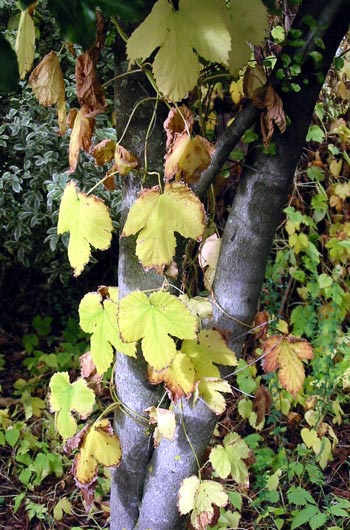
{"x":229,"y":459}
{"x":66,"y":397}
{"x":199,"y":497}
{"x":99,"y":446}
{"x":88,"y":221}
{"x":47,"y":84}
{"x":98,"y":315}
{"x":195,"y":28}
{"x":152,"y":319}
{"x":211,"y":389}
{"x":25,"y":43}
{"x":283,"y":353}
{"x":155,"y":216}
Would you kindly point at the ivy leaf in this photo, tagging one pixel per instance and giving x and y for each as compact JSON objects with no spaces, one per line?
{"x":211,"y":389}
{"x":179,"y":377}
{"x":99,"y":446}
{"x":98,"y":315}
{"x":229,"y":459}
{"x":82,"y":130}
{"x":209,"y":348}
{"x":177,"y":33}
{"x":155,"y":216}
{"x":248,"y":23}
{"x":47,"y":84}
{"x":199,"y":497}
{"x":88,"y":221}
{"x":153,"y":319}
{"x":165,"y":421}
{"x":66,"y":397}
{"x":25,"y":43}
{"x":284,"y":354}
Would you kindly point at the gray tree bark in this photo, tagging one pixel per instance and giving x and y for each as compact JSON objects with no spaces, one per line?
{"x":248,"y":236}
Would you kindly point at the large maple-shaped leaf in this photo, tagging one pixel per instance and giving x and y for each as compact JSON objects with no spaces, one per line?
{"x":199,"y":496}
{"x":248,"y":22}
{"x":25,"y":43}
{"x":197,"y":26}
{"x":229,"y":459}
{"x":98,"y":315}
{"x":88,"y":221}
{"x":66,"y":397}
{"x":152,"y":319}
{"x":47,"y":84}
{"x":207,"y":351}
{"x":283,"y":353}
{"x":155,"y":216}
{"x":100,"y":446}
{"x":179,"y":377}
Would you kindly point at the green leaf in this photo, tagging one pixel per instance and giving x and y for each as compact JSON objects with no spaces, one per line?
{"x":229,"y":459}
{"x":155,"y":216}
{"x":315,"y":134}
{"x":25,"y":43}
{"x":199,"y":496}
{"x":305,"y":516}
{"x":9,"y":76}
{"x":76,"y":20}
{"x":98,"y":315}
{"x":66,"y":397}
{"x":152,"y":319}
{"x":300,"y":496}
{"x":195,"y":28}
{"x":88,"y":221}
{"x":132,"y":10}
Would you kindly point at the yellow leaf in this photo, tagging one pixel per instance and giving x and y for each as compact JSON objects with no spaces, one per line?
{"x":211,"y":389}
{"x":100,"y":446}
{"x":178,"y":378}
{"x":195,"y":26}
{"x":88,"y":221}
{"x":208,"y":258}
{"x":83,"y":128}
{"x":155,"y":216}
{"x":47,"y":84}
{"x":25,"y":43}
{"x":124,"y":161}
{"x":165,"y":421}
{"x":188,"y":158}
{"x":284,"y":354}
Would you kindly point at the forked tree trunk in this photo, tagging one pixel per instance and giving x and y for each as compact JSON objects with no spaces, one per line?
{"x":145,"y":486}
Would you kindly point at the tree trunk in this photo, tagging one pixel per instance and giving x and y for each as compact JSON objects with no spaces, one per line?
{"x":147,"y":498}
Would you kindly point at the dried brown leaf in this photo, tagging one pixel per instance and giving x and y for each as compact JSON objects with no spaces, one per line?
{"x":176,"y":122}
{"x":273,"y":115}
{"x":89,"y":89}
{"x":103,"y":152}
{"x":254,"y":79}
{"x":125,"y":161}
{"x":82,"y":131}
{"x":262,"y":403}
{"x":188,"y":158}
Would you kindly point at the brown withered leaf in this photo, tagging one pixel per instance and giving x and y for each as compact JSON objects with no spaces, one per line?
{"x":254,"y":79}
{"x":103,"y":152}
{"x":89,"y":373}
{"x":89,"y":89}
{"x":109,"y":179}
{"x":178,"y":378}
{"x":261,"y":324}
{"x":125,"y":161}
{"x":284,"y":353}
{"x":47,"y":83}
{"x":82,"y":131}
{"x":176,"y":122}
{"x":274,"y":114}
{"x":262,"y":403}
{"x":188,"y":158}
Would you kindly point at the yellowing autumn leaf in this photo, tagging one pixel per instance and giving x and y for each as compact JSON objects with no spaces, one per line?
{"x":98,"y":315}
{"x":207,"y":351}
{"x":152,"y":319}
{"x":208,"y":259}
{"x":47,"y":84}
{"x":229,"y":459}
{"x":211,"y":389}
{"x":25,"y":43}
{"x":188,"y":158}
{"x":165,"y":422}
{"x":155,"y":216}
{"x":124,"y":160}
{"x":103,"y":152}
{"x":65,"y":398}
{"x":100,"y":446}
{"x":284,"y":354}
{"x":199,"y":497}
{"x":195,"y":26}
{"x":88,"y":221}
{"x":179,"y":377}
{"x":179,"y":120}
{"x":248,"y":23}
{"x":80,"y":138}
